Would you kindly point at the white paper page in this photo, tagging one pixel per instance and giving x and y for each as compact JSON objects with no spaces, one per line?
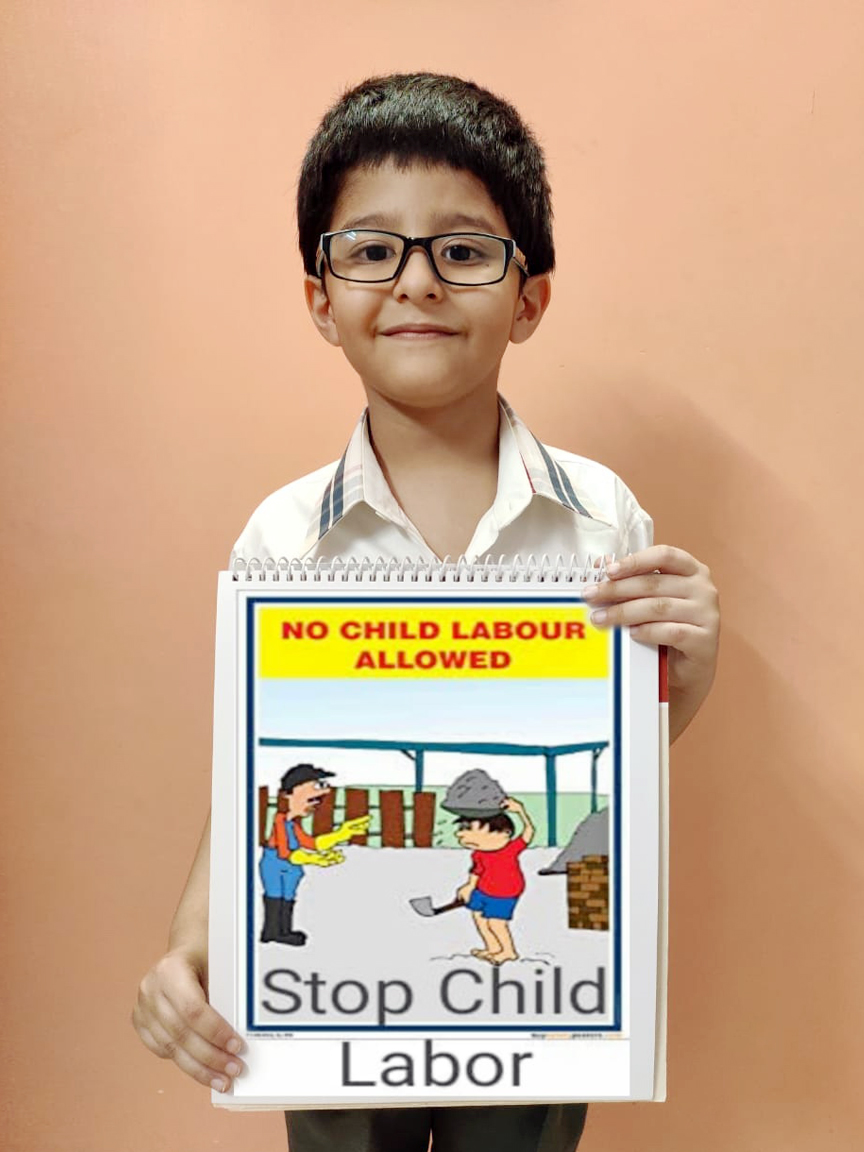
{"x":310,"y":1067}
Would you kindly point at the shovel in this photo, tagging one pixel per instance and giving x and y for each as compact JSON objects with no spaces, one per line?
{"x":423,"y":906}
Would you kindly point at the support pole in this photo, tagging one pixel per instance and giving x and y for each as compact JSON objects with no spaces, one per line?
{"x":551,"y":801}
{"x":595,"y":756}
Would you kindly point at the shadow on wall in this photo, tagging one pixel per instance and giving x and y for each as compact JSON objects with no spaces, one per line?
{"x":766,"y":793}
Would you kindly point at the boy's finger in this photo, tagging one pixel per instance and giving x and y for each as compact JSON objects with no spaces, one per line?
{"x":211,"y":1077}
{"x":188,"y":1001}
{"x":652,"y":610}
{"x":640,"y":588}
{"x":662,"y":556}
{"x":148,"y":1040}
{"x":688,"y":639}
{"x":685,"y":638}
{"x":197,"y":1047}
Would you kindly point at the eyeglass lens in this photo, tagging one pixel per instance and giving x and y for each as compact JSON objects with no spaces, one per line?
{"x":458,"y":258}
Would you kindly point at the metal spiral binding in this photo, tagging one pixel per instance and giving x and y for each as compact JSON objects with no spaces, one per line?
{"x":530,"y":570}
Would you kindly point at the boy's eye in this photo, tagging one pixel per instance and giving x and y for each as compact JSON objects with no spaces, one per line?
{"x":371,"y":252}
{"x":460,"y":252}
{"x":478,"y":252}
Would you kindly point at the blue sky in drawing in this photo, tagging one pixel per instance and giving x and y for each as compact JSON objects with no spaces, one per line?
{"x":553,"y":711}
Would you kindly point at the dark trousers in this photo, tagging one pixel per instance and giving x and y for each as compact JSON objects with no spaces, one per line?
{"x":511,"y":1128}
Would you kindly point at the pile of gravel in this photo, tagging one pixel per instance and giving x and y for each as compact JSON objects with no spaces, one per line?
{"x":591,"y":838}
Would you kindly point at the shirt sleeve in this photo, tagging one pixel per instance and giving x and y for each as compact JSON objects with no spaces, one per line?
{"x":518,"y":845}
{"x":640,"y":531}
{"x":303,"y":837}
{"x":282,"y":847}
{"x":477,"y":864}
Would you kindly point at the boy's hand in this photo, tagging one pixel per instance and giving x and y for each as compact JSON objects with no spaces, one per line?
{"x":464,"y":893}
{"x":665,"y":596}
{"x":510,"y":804}
{"x":174,"y":1020}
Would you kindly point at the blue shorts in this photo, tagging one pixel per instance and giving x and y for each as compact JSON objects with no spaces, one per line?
{"x":492,"y":907}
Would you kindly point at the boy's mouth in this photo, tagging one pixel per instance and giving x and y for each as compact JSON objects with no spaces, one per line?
{"x":418,"y":331}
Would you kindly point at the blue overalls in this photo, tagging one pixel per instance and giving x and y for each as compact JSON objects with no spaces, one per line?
{"x":280,"y":877}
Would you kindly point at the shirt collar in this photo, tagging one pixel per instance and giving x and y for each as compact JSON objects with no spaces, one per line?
{"x":525,"y":469}
{"x":546,"y":475}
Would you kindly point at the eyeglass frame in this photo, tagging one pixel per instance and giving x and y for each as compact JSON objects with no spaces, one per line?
{"x":425,"y":242}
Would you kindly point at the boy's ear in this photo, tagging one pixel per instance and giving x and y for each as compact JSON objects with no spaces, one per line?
{"x":320,"y":309}
{"x":533,"y":302}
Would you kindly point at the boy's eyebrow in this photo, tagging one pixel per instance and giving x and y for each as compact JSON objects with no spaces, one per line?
{"x":441,"y":221}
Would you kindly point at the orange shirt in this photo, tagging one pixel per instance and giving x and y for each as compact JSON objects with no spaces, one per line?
{"x":279,"y":836}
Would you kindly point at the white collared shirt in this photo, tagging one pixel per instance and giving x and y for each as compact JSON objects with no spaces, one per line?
{"x":548,"y":502}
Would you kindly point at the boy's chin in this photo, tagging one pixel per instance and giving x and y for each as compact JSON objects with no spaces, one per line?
{"x":426,"y":393}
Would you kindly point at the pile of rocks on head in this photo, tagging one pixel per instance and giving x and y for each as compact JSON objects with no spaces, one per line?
{"x":474,"y":794}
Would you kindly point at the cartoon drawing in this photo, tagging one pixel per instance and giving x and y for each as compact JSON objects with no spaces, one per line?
{"x":289,"y":848}
{"x":495,"y":882}
{"x":440,"y":764}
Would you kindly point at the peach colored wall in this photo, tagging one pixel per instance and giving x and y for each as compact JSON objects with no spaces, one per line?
{"x":161,"y":376}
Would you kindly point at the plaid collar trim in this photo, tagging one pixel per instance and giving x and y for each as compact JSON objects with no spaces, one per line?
{"x":546,"y":475}
{"x":358,"y":478}
{"x":345,"y":488}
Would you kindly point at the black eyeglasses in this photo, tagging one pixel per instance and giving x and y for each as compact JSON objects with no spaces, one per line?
{"x":463,"y":258}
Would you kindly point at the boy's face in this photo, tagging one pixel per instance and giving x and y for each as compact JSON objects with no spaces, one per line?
{"x":475,"y":323}
{"x":479,"y":835}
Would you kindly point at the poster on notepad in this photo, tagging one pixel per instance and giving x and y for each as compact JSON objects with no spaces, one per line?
{"x":436,"y":850}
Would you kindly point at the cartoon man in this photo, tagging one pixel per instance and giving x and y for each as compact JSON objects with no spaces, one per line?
{"x":289,"y":848}
{"x":495,"y":881}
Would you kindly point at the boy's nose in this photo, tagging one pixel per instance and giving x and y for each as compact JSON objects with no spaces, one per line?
{"x":418,"y":275}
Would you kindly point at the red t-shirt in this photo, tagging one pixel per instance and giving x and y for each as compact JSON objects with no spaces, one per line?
{"x":498,"y":872}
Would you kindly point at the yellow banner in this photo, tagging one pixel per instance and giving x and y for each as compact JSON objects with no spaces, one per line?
{"x":412,"y":641}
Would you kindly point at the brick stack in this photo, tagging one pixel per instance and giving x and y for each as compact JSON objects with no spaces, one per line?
{"x":588,"y":893}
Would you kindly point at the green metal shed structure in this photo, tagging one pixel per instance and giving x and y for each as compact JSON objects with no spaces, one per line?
{"x":416,"y":752}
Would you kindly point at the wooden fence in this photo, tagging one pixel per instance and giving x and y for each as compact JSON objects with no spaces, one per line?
{"x":391,"y":812}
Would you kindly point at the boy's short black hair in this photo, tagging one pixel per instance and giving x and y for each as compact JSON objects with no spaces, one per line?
{"x":426,"y":117}
{"x":497,"y":822}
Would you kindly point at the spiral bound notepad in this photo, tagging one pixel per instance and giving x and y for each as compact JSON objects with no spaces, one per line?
{"x":438,"y":862}
{"x":529,"y":569}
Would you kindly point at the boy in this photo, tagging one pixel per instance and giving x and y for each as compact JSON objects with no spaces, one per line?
{"x":495,"y":881}
{"x":425,"y":226}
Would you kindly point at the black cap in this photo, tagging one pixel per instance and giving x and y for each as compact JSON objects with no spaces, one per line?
{"x":302,"y":774}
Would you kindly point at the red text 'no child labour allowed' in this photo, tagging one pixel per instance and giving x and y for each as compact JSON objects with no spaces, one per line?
{"x":466,"y":640}
{"x":431,"y":630}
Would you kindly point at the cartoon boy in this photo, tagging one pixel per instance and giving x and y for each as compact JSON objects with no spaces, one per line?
{"x":289,"y":848}
{"x":495,"y":881}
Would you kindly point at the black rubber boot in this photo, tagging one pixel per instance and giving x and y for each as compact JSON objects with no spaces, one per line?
{"x":271,"y":929}
{"x":287,"y":935}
